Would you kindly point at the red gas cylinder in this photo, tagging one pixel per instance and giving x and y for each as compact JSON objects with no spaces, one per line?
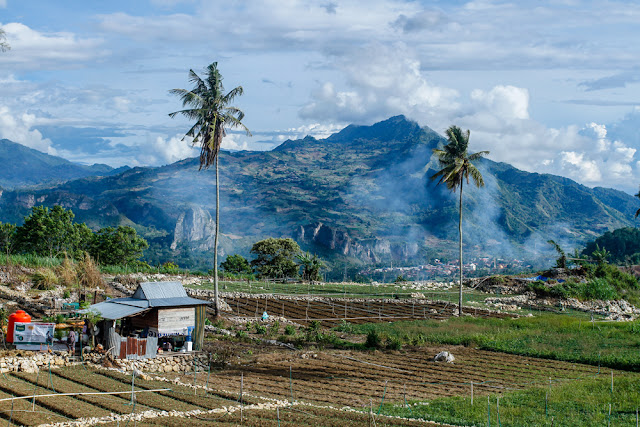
{"x":18,"y":316}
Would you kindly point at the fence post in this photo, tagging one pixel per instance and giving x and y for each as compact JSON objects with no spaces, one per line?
{"x":471,"y":393}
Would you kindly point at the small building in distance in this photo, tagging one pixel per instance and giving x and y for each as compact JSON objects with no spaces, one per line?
{"x":159,"y":314}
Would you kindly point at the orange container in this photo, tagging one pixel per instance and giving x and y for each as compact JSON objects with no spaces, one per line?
{"x":19,"y":316}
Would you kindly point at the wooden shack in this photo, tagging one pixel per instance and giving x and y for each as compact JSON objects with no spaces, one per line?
{"x":158,"y":313}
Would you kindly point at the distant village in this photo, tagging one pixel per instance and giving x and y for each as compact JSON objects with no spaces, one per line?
{"x":438,"y":269}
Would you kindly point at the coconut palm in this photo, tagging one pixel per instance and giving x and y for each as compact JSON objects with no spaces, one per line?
{"x":210,"y":107}
{"x":4,"y":46}
{"x":457,"y":166}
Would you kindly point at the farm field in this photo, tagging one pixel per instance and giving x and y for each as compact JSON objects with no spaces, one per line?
{"x":331,"y":312}
{"x":319,"y":383}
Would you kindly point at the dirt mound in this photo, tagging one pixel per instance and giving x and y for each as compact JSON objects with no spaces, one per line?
{"x":503,"y":285}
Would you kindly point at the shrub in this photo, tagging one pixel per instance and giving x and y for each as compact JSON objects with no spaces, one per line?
{"x":345,"y":326}
{"x":44,"y":279}
{"x":394,"y":343}
{"x":275,"y":326}
{"x":373,"y":340}
{"x":261,"y":329}
{"x":66,"y":294}
{"x":170,"y":268}
{"x":289,"y":330}
{"x":599,"y":289}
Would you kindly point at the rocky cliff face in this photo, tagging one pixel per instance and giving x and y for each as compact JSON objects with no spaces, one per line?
{"x":196,"y":228}
{"x":367,"y":251}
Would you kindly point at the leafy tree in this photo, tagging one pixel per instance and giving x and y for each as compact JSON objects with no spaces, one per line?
{"x":117,"y":246}
{"x":236,"y":264}
{"x":275,"y":257}
{"x":638,"y":196}
{"x":49,"y":232}
{"x":7,"y":237}
{"x":210,"y":107}
{"x":4,"y":46}
{"x":311,"y":266}
{"x":457,"y":166}
{"x":561,"y":262}
{"x":622,"y":244}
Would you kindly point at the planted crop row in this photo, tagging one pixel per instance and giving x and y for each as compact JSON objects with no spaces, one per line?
{"x":22,"y":413}
{"x":208,"y":400}
{"x":102,"y":383}
{"x":67,"y":406}
{"x":113,"y":403}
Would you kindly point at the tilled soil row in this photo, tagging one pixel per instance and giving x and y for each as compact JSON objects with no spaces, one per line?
{"x":334,"y":378}
{"x":332,"y":311}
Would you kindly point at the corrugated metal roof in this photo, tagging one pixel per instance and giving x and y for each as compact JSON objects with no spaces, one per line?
{"x":156,"y":290}
{"x":148,"y":294}
{"x":142,"y":303}
{"x":176,"y":302}
{"x":112,"y":310}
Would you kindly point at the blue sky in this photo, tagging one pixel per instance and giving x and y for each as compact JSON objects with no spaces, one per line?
{"x":548,"y":86}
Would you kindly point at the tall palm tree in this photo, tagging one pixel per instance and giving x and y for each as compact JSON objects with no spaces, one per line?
{"x":4,"y":46}
{"x":457,"y":166}
{"x":210,"y":107}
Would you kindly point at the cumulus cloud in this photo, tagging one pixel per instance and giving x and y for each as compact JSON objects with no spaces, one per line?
{"x":159,"y":150}
{"x":382,"y":81}
{"x":19,"y":128}
{"x":31,"y":49}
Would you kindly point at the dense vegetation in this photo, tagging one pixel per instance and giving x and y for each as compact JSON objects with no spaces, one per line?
{"x":54,"y":233}
{"x":600,"y":281}
{"x":622,"y":244}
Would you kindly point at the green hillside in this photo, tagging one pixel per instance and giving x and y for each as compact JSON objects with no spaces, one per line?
{"x":362,"y":194}
{"x":23,"y":166}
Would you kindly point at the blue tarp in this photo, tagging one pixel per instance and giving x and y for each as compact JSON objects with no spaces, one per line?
{"x":541,"y":278}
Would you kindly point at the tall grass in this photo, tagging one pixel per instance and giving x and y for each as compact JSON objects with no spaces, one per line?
{"x":570,"y":338}
{"x":31,"y":261}
{"x":583,"y":402}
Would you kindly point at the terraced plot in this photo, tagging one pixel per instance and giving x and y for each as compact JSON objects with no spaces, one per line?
{"x":332,"y":311}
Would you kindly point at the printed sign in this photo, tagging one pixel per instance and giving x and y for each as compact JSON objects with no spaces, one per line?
{"x":176,"y":321}
{"x":33,"y":333}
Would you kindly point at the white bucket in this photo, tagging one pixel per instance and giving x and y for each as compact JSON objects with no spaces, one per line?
{"x":188,"y":345}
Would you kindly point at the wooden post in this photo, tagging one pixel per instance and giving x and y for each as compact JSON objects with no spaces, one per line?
{"x":471,"y":393}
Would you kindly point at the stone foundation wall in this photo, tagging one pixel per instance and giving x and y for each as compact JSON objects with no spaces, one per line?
{"x":173,"y":363}
{"x":33,"y":363}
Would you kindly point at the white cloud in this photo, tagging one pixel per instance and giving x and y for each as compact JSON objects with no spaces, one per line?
{"x":159,"y":150}
{"x":577,"y":164}
{"x":382,"y":81}
{"x":18,"y":128}
{"x":33,"y":49}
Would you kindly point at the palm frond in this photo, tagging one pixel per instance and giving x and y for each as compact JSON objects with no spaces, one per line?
{"x":211,"y":111}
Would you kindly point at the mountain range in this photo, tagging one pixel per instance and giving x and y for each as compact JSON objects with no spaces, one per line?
{"x":362,"y":194}
{"x":24,"y":166}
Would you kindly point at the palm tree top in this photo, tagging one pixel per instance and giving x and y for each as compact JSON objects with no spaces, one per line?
{"x":456,"y":161}
{"x":210,"y":107}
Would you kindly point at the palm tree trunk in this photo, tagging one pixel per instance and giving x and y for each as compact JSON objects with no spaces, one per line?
{"x":460,"y":232}
{"x":216,"y":300}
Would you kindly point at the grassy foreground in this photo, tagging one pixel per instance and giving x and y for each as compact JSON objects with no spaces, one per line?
{"x":572,"y":338}
{"x":583,"y":402}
